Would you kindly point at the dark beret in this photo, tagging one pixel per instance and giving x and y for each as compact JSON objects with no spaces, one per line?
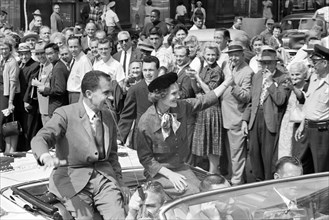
{"x":163,"y":82}
{"x":320,"y":52}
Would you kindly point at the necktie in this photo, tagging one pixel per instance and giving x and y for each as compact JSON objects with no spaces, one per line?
{"x":34,"y":88}
{"x":169,"y":121}
{"x":124,"y":62}
{"x":263,"y":94}
{"x":22,"y":65}
{"x":99,"y":136}
{"x":72,"y":63}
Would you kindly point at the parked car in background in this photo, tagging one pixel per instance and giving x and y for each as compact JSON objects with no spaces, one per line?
{"x":296,"y":26}
{"x":303,"y":198}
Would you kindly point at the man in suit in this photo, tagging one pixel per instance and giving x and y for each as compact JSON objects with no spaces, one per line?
{"x":56,"y":90}
{"x":136,"y":102}
{"x":234,"y":102}
{"x":85,"y":41}
{"x":28,"y":108}
{"x":87,"y":172}
{"x":263,"y":115}
{"x":287,"y":7}
{"x":56,"y":20}
{"x":128,"y":53}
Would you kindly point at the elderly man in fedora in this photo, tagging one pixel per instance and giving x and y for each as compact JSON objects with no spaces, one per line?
{"x":263,"y":115}
{"x":29,"y":116}
{"x":234,"y":102}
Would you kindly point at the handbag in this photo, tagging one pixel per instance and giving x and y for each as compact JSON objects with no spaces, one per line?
{"x":297,"y":114}
{"x":11,"y":128}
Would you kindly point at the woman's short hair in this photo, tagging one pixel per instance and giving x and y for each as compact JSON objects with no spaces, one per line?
{"x":257,"y":38}
{"x":155,"y":96}
{"x":9,"y":41}
{"x":58,"y":35}
{"x":212,"y":46}
{"x":299,"y":67}
{"x":180,"y":27}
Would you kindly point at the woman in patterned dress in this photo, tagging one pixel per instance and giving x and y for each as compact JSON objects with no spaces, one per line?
{"x":207,"y":137}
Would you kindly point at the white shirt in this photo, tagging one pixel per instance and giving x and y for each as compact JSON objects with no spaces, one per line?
{"x":111,"y":67}
{"x":196,"y":64}
{"x":44,"y":78}
{"x":165,"y":58}
{"x":194,"y":27}
{"x":81,"y":66}
{"x":325,"y":41}
{"x":111,"y":18}
{"x":128,"y":55}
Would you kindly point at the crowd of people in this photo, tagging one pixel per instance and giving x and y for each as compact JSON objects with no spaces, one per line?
{"x":177,"y":101}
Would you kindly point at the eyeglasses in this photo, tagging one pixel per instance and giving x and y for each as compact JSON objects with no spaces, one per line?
{"x":125,"y":40}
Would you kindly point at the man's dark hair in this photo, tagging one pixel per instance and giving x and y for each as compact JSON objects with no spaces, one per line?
{"x":156,"y":11}
{"x":105,"y":41}
{"x":226,"y":33}
{"x":180,"y":27}
{"x":277,"y":26}
{"x":74,"y":38}
{"x":183,"y":47}
{"x":156,"y":31}
{"x":91,"y":80}
{"x":200,"y":16}
{"x":210,"y":180}
{"x":287,"y":159}
{"x":152,"y":59}
{"x":52,"y":45}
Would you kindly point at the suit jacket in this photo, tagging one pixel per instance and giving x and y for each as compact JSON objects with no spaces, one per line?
{"x":136,"y":103}
{"x":184,"y":83}
{"x":26,"y":74}
{"x":70,"y":131}
{"x":56,"y":22}
{"x":57,"y":91}
{"x":136,"y":54}
{"x":275,"y":102}
{"x":236,"y":98}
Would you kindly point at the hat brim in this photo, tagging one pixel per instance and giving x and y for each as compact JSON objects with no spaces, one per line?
{"x":35,"y":36}
{"x":307,"y":50}
{"x":141,"y":47}
{"x":234,"y":50}
{"x":276,"y":59}
{"x":24,"y":50}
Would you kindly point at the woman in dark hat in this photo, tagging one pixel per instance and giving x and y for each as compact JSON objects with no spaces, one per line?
{"x":162,"y":143}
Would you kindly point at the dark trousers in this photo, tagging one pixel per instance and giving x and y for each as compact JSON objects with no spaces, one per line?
{"x":315,"y":145}
{"x":262,"y":148}
{"x":31,"y":125}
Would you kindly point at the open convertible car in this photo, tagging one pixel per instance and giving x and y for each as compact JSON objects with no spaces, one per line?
{"x":24,"y":187}
{"x":303,"y":198}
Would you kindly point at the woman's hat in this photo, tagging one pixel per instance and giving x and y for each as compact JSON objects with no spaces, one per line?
{"x":30,"y":34}
{"x":37,"y":12}
{"x":163,"y":82}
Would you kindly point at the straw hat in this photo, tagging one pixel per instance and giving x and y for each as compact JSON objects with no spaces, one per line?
{"x":37,"y":12}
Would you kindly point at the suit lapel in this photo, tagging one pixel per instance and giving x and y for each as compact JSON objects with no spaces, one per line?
{"x":85,"y":121}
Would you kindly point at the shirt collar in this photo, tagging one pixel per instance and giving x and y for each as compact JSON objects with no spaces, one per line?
{"x":91,"y":114}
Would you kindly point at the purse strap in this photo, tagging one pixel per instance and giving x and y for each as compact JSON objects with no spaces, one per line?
{"x":7,"y":119}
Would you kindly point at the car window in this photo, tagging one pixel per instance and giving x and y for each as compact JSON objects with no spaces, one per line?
{"x":301,"y":198}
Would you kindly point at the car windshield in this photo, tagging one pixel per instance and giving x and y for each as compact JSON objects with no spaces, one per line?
{"x":305,"y":198}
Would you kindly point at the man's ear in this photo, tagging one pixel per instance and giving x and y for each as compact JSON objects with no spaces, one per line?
{"x":88,"y":93}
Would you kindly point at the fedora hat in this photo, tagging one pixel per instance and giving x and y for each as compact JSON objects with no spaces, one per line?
{"x":37,"y":12}
{"x":24,"y":47}
{"x":145,"y":45}
{"x":234,"y":48}
{"x":29,"y":34}
{"x":268,"y":54}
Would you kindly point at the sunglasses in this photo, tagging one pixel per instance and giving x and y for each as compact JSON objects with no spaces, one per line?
{"x":125,"y":40}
